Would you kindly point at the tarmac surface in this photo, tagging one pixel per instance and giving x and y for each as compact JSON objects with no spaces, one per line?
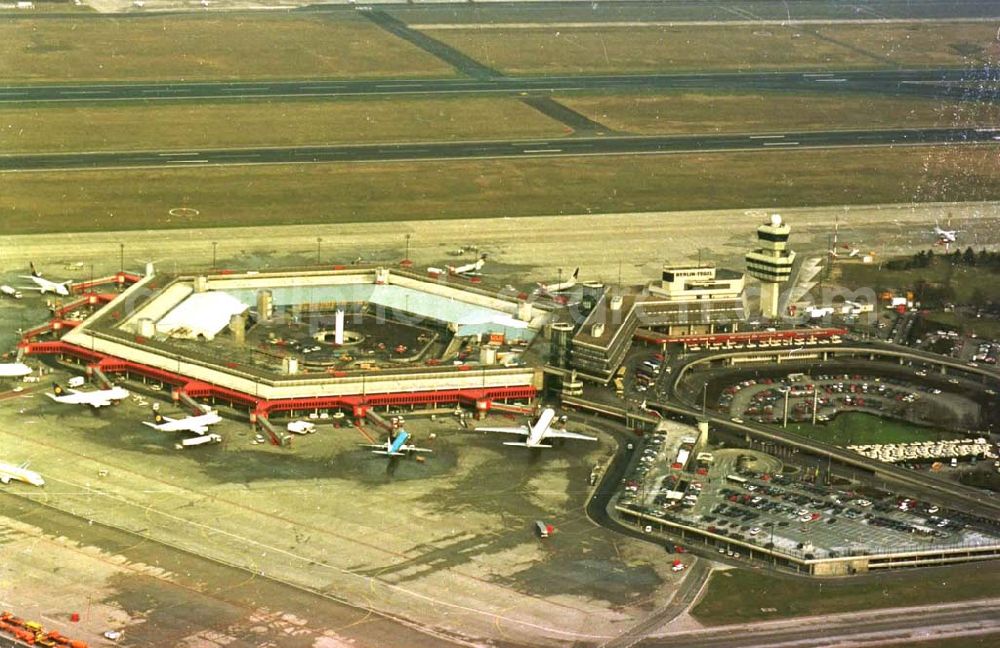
{"x":949,"y":82}
{"x":649,"y":145}
{"x":444,"y":546}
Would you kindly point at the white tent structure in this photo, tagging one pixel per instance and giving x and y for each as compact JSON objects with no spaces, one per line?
{"x":200,"y":316}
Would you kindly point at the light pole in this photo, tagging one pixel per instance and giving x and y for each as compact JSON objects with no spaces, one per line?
{"x":121,"y":257}
{"x":406,"y":257}
{"x":319,"y":241}
{"x":215,"y":245}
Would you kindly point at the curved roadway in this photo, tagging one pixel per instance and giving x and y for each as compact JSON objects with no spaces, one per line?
{"x":982,"y":501}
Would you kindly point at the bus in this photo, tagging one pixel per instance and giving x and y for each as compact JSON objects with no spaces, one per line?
{"x":736,"y":479}
{"x":621,"y":372}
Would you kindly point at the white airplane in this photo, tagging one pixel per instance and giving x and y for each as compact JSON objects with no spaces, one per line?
{"x":196,"y":424}
{"x":395,"y":447}
{"x":946,"y":237}
{"x":14,"y":370}
{"x":20,"y":473}
{"x":43,"y":285}
{"x":851,"y":252}
{"x":541,"y":430}
{"x":469,"y":269}
{"x":552,"y":288}
{"x":97,"y":398}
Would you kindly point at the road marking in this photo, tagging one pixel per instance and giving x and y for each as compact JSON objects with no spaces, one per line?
{"x":83,"y":92}
{"x":161,"y":90}
{"x":767,"y":136}
{"x":397,"y":85}
{"x":780,"y":143}
{"x":188,"y":154}
{"x":187,"y":161}
{"x":830,"y":80}
{"x":542,"y":151}
{"x":244,"y":89}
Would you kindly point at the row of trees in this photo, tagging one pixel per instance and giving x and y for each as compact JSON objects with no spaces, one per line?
{"x":982,"y":259}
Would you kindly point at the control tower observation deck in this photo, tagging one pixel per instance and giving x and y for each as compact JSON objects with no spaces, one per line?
{"x":771,"y":263}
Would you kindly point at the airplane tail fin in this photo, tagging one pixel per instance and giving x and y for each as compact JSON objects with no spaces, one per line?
{"x":34,"y":273}
{"x":576,"y":273}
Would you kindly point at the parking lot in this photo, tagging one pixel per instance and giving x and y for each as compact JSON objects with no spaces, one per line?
{"x":763,"y":400}
{"x":751,"y":497}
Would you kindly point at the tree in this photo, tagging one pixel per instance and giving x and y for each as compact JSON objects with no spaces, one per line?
{"x":969,"y":257}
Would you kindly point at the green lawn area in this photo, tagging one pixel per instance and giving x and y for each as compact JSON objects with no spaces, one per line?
{"x":212,"y":46}
{"x":719,"y":112}
{"x":982,"y":327}
{"x":851,"y":428}
{"x":360,"y":192}
{"x":737,"y":596}
{"x":124,"y":126}
{"x":583,"y":50}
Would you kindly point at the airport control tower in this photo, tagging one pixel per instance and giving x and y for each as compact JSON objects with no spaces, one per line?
{"x":771,"y":263}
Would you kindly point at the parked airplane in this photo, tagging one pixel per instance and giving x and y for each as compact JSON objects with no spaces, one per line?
{"x":395,"y":447}
{"x":946,"y":237}
{"x":43,"y":285}
{"x":97,"y":398}
{"x":20,"y":473}
{"x":196,"y":424}
{"x":550,"y":289}
{"x":540,"y":430}
{"x":469,"y":269}
{"x":851,"y":252}
{"x":14,"y":370}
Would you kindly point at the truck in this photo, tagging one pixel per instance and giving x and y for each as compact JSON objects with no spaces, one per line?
{"x":10,"y":291}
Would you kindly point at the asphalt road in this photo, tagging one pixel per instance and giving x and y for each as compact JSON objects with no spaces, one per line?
{"x":576,"y":146}
{"x":930,"y":82}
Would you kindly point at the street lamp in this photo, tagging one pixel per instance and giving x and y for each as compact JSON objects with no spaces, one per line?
{"x":121,"y":257}
{"x":319,"y":241}
{"x":215,"y":245}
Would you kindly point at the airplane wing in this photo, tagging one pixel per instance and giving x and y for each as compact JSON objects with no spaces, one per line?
{"x":523,"y":431}
{"x":552,"y":433}
{"x":411,"y":448}
{"x":380,"y":446}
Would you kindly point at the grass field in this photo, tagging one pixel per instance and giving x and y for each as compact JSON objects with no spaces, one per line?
{"x":718,"y":112}
{"x":363,"y":192}
{"x":737,"y":596}
{"x":127,"y":126}
{"x":541,"y":50}
{"x":212,"y":46}
{"x":983,"y":327}
{"x":857,"y":427}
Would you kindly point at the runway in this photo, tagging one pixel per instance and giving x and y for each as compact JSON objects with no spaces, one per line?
{"x":931,"y":82}
{"x":573,"y":146}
